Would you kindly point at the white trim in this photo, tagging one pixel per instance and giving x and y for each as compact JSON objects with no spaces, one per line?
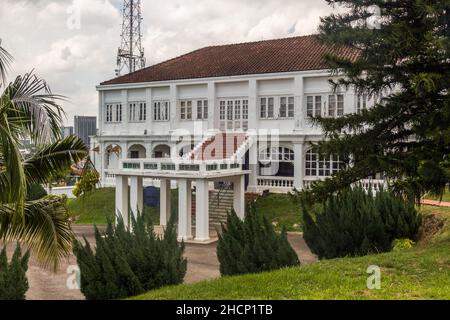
{"x":223,"y":79}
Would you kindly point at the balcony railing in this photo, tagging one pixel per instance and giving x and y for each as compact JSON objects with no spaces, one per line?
{"x":275,"y":184}
{"x":166,"y":165}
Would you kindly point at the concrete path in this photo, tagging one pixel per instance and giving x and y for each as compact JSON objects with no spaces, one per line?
{"x":202,"y":265}
{"x":435,"y":203}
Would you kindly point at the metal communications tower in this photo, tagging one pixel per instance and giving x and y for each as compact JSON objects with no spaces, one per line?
{"x":131,"y":54}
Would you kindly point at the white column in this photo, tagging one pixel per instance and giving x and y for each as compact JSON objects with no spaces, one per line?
{"x":174,"y":106}
{"x":212,"y":123}
{"x":239,"y":196}
{"x":136,"y":196}
{"x":124,"y":126}
{"x":122,"y":198}
{"x":253,"y":104}
{"x":299,"y":115}
{"x":164,"y":202}
{"x":202,"y":210}
{"x":298,"y":165}
{"x":184,"y":210}
{"x":253,"y":167}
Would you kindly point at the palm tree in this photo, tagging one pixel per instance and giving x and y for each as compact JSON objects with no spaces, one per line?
{"x":29,"y":109}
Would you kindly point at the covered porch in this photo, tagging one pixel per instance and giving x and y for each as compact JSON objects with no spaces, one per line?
{"x":187,"y":174}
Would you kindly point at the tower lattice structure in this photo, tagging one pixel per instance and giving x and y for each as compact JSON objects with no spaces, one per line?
{"x":130,"y":56}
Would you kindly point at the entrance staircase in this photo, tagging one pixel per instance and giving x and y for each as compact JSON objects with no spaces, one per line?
{"x":220,"y":146}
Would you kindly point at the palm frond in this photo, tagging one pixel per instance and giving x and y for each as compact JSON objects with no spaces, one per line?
{"x":45,"y":228}
{"x":5,"y":60}
{"x":32,"y":107}
{"x":52,"y":158}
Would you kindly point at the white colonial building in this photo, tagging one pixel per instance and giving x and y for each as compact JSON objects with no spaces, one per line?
{"x":223,"y":117}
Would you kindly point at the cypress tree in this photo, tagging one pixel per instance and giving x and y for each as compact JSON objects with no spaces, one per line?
{"x":404,"y":56}
{"x":127,"y":263}
{"x":13,"y":279}
{"x":356,"y":223}
{"x":252,"y":245}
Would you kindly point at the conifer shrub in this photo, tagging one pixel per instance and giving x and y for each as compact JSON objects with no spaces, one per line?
{"x":127,"y":263}
{"x":35,"y":192}
{"x":13,"y":279}
{"x":252,"y":245}
{"x":356,"y":223}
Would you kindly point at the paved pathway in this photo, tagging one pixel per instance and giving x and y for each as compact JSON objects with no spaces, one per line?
{"x":202,"y":265}
{"x":435,"y":203}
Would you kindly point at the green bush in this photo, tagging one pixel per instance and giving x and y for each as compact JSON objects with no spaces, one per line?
{"x":35,"y":192}
{"x":127,"y":263}
{"x":87,"y":183}
{"x":356,"y":223}
{"x":252,"y":246}
{"x":13,"y":279}
{"x":402,"y":244}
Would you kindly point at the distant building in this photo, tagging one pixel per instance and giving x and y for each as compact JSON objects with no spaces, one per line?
{"x":85,"y":127}
{"x":66,"y":131}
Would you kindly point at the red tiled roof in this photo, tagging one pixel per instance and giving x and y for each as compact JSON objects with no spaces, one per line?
{"x":270,"y":56}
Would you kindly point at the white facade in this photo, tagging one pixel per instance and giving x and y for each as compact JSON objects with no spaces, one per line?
{"x":164,"y":119}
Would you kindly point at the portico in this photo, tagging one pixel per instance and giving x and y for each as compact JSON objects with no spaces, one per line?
{"x":188,"y":175}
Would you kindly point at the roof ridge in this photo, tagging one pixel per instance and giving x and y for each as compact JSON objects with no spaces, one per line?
{"x":260,"y":41}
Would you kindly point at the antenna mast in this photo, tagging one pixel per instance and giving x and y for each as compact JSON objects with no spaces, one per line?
{"x":130,"y":56}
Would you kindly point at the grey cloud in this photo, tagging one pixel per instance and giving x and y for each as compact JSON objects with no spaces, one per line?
{"x":74,"y":61}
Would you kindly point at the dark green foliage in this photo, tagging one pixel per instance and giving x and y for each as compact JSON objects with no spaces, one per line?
{"x":35,"y":192}
{"x":406,"y":136}
{"x":13,"y":279}
{"x":252,"y":246}
{"x":356,"y":223}
{"x":130,"y":263}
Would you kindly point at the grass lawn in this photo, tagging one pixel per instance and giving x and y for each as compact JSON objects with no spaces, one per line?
{"x":281,"y":210}
{"x":445,"y":196}
{"x":97,"y":206}
{"x":422,"y":272}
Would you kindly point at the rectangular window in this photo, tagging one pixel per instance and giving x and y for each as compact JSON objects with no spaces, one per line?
{"x":118,"y":112}
{"x":270,"y":107}
{"x":361,"y":102}
{"x":283,"y":107}
{"x":137,"y":111}
{"x":205,"y":110}
{"x":237,"y":110}
{"x":263,"y":108}
{"x":245,"y":109}
{"x":267,"y":108}
{"x":109,"y":113}
{"x":229,"y":110}
{"x":202,"y":109}
{"x":310,"y":106}
{"x":340,"y":105}
{"x":199,"y":109}
{"x":132,"y":112}
{"x":222,"y":110}
{"x":291,"y":107}
{"x":183,"y":110}
{"x":332,"y":106}
{"x":189,"y":110}
{"x":286,"y":107}
{"x":318,"y":106}
{"x":313,"y":106}
{"x":161,"y":111}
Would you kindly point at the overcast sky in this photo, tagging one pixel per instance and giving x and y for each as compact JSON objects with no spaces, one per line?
{"x":44,"y":35}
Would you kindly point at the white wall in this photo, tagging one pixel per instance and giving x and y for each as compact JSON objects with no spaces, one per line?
{"x":297,"y":85}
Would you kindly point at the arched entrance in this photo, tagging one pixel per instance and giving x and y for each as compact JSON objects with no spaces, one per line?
{"x":276,"y":161}
{"x":161,"y":151}
{"x":113,"y":153}
{"x":136,"y":151}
